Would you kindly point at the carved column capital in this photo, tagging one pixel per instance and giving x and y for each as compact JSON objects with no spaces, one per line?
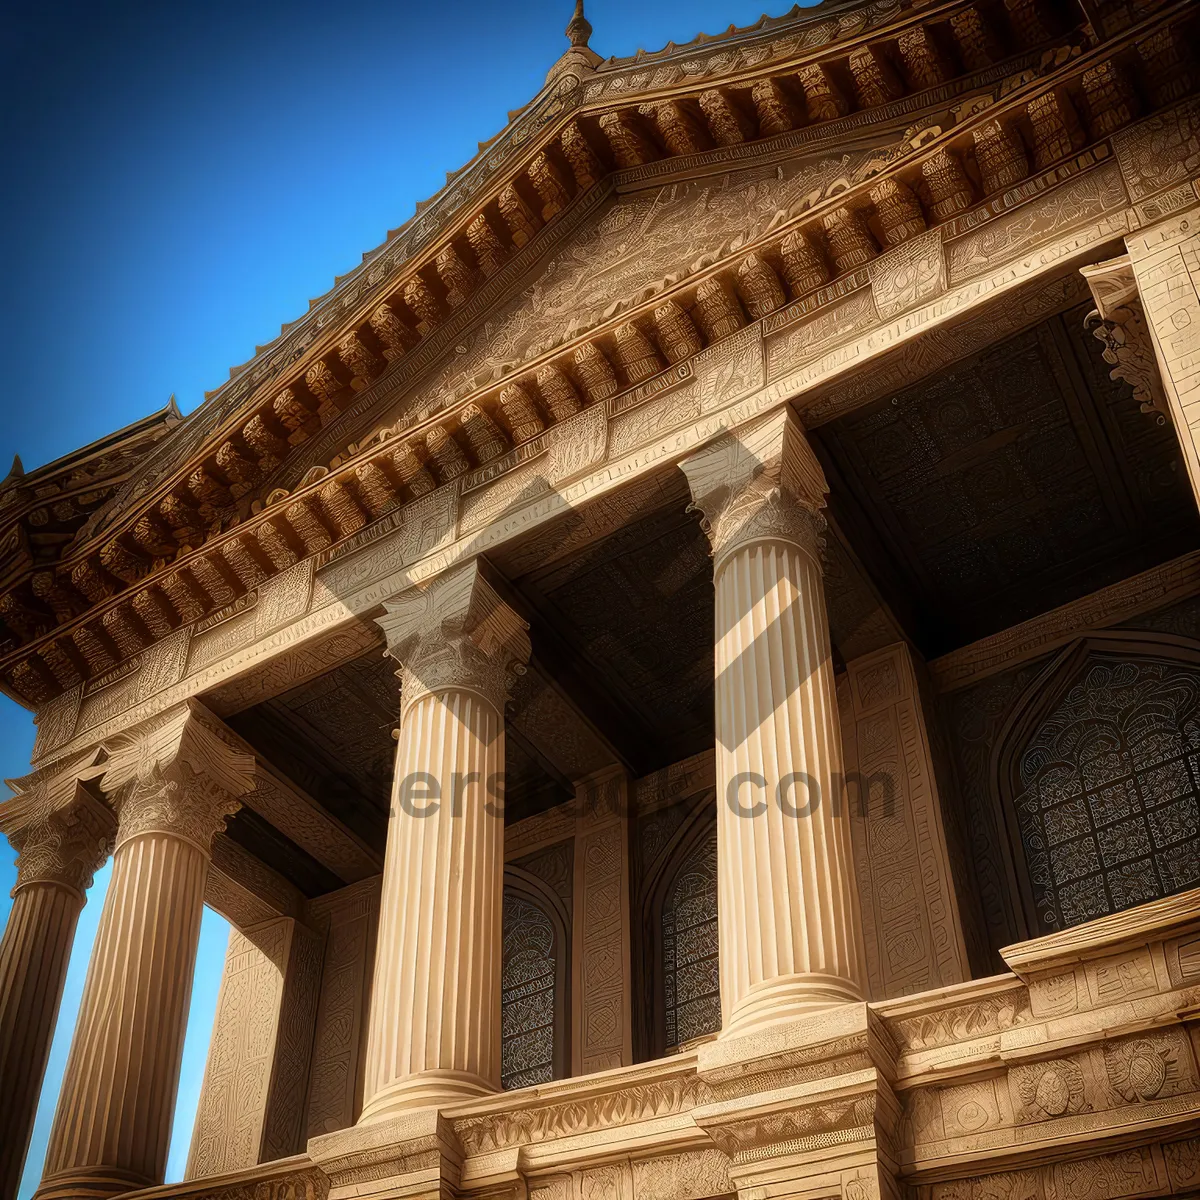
{"x":178,"y":802}
{"x":759,"y":483}
{"x":1119,"y":324}
{"x":61,"y":834}
{"x":181,"y":774}
{"x":456,"y":634}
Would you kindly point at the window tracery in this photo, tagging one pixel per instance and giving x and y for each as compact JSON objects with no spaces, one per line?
{"x":691,"y":984}
{"x":527,"y":1009}
{"x":1105,"y":789}
{"x":534,"y":976}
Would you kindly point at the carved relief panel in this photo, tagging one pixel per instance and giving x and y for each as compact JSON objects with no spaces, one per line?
{"x":349,"y":918}
{"x":252,"y":1100}
{"x":601,"y":1034}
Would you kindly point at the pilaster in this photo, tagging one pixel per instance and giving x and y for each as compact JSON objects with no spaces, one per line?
{"x":434,"y":1031}
{"x":789,"y":925}
{"x":251,"y":1106}
{"x":62,"y":835}
{"x":174,"y":782}
{"x":602,"y":1034}
{"x":348,"y":920}
{"x":912,"y":928}
{"x":806,"y":1109}
{"x":415,"y":1154}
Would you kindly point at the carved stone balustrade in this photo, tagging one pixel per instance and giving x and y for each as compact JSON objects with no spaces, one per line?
{"x":1077,"y":1049}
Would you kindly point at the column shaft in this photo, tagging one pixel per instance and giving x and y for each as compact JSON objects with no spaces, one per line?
{"x":788,"y":916}
{"x":434,"y":1029}
{"x":789,"y":928}
{"x":34,"y":953}
{"x":61,"y":834}
{"x":113,"y":1123}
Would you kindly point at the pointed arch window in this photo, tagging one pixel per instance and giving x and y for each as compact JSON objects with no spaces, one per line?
{"x":691,"y":984}
{"x":676,"y":953}
{"x":1100,"y":770}
{"x":533,"y":983}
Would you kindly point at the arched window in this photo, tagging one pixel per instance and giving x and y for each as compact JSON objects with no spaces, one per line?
{"x":675,"y":933}
{"x":533,"y":983}
{"x":691,"y":985}
{"x":1100,"y":770}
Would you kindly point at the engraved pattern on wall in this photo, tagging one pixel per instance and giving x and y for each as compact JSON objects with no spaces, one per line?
{"x":988,"y":487}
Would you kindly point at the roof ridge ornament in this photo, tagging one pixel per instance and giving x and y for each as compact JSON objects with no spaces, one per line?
{"x":580,"y":59}
{"x":579,"y":28}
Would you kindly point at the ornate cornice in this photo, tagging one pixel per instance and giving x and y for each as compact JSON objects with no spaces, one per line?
{"x":401,"y":476}
{"x":222,"y":504}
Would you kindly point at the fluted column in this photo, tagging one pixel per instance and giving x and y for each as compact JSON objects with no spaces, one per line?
{"x":789,"y":926}
{"x":434,"y":1033}
{"x":61,"y":835}
{"x":175,"y":783}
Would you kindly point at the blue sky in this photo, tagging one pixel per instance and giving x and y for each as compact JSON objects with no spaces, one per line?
{"x":180,"y":180}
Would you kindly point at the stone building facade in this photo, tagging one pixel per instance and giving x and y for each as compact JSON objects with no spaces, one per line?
{"x":682,"y":671}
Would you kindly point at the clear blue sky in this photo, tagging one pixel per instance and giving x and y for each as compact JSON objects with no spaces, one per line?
{"x":181,"y":179}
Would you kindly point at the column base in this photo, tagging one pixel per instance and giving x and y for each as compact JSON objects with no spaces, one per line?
{"x":426,"y":1089}
{"x":787,"y":997}
{"x":84,"y":1183}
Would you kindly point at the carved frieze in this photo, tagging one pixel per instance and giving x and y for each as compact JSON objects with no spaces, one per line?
{"x":578,"y":1113}
{"x":1059,"y":209}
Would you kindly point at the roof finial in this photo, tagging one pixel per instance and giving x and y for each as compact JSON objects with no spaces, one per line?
{"x":579,"y":59}
{"x":579,"y":28}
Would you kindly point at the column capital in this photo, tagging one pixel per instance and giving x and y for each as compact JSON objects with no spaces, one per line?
{"x":759,"y":483}
{"x":182,"y":773}
{"x":455,"y":633}
{"x":61,"y":833}
{"x":1119,"y":324}
{"x":1112,"y":284}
